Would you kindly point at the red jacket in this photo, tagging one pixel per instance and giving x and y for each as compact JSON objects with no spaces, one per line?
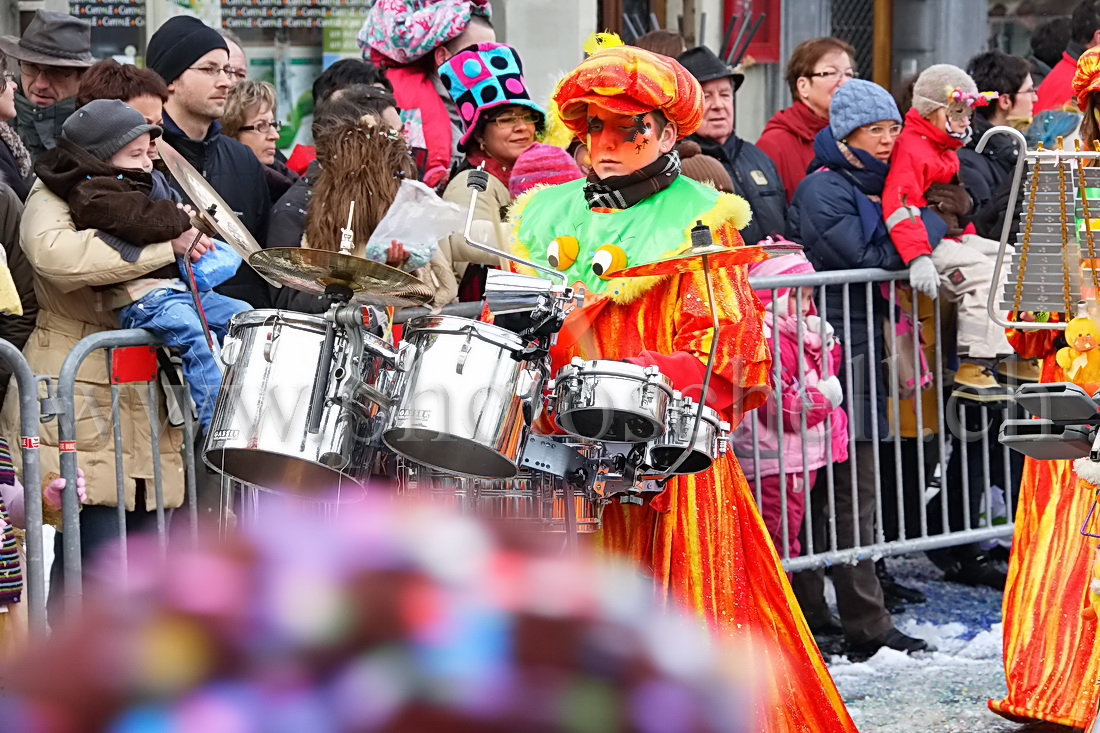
{"x":788,"y":139}
{"x":923,"y":155}
{"x":1057,"y":86}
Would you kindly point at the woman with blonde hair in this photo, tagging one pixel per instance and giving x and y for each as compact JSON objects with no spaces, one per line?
{"x":249,"y":118}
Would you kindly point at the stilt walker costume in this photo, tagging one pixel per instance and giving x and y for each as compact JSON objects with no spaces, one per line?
{"x":1051,"y":636}
{"x":702,"y":538}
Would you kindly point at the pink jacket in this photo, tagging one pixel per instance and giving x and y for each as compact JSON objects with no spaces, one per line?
{"x":799,"y":397}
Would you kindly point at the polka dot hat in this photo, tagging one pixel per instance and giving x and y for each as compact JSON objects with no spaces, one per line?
{"x":482,"y":77}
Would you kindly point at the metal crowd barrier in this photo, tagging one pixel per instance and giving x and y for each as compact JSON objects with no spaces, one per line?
{"x":832,"y":478}
{"x":953,"y":507}
{"x":34,"y":573}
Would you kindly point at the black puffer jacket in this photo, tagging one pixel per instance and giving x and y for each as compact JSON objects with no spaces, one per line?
{"x":756,"y":180}
{"x":288,"y":224}
{"x":987,"y":177}
{"x":232,"y":169}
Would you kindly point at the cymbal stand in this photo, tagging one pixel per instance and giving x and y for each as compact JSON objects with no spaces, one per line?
{"x":337,"y":295}
{"x":701,"y":237}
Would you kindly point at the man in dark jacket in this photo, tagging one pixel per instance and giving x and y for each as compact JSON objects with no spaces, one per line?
{"x":754,"y":176}
{"x":53,"y":54}
{"x":194,"y":61}
{"x":988,"y":176}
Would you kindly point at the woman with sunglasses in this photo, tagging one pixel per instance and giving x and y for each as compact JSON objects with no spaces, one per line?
{"x":250,"y":119}
{"x":815,"y":70}
{"x":500,"y":122}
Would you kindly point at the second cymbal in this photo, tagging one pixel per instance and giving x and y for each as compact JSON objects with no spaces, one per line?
{"x":313,"y":270}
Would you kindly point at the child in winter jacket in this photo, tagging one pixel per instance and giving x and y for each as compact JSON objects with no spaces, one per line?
{"x":808,"y":389}
{"x":924,"y":171}
{"x":101,"y":166}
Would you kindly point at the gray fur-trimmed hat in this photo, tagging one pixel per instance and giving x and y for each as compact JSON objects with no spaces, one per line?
{"x":105,"y":126}
{"x":935,"y":85}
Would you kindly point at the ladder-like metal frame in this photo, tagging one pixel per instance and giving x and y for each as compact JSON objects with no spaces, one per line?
{"x":1035,"y":156}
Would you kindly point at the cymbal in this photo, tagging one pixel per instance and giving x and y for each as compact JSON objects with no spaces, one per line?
{"x":691,"y":259}
{"x":212,"y":209}
{"x":312,"y":270}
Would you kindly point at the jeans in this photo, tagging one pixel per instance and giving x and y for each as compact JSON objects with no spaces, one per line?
{"x":171,"y":315}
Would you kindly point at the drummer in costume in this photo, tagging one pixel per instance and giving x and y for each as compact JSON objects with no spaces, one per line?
{"x":1051,"y":640}
{"x":702,"y":538}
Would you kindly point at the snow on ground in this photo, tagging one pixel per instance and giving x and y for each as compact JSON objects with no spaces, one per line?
{"x":940,"y":692}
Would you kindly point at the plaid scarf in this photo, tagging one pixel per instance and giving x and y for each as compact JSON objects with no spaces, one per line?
{"x":11,"y":576}
{"x":622,"y":192}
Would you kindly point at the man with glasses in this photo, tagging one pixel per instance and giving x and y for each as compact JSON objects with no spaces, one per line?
{"x":52,"y":54}
{"x":754,"y":175}
{"x":193,"y":59}
{"x":988,"y":176}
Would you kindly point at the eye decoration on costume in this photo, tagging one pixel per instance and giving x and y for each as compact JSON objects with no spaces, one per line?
{"x":562,"y":252}
{"x":608,"y":258}
{"x":626,"y":138}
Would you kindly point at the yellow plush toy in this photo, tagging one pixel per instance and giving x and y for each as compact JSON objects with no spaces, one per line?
{"x":1081,"y":358}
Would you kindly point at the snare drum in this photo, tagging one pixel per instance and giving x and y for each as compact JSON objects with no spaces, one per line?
{"x":711,"y":439}
{"x":259,"y":434}
{"x":463,"y":403}
{"x":611,"y":400}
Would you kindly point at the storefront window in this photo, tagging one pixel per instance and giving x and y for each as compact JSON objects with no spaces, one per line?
{"x":1012,"y":24}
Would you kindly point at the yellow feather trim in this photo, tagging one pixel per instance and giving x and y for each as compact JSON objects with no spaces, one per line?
{"x":598,"y":41}
{"x":514,"y":246}
{"x":729,"y":209}
{"x":554,"y":131}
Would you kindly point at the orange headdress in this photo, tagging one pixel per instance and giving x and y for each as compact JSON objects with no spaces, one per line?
{"x":629,"y":81}
{"x":1087,"y":79}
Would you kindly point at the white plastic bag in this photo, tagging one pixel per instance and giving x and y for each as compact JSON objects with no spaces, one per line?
{"x":417,"y":219}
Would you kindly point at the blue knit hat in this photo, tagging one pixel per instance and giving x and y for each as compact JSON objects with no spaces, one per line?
{"x":858,"y":103}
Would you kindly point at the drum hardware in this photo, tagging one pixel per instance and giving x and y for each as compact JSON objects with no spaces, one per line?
{"x":479,"y":183}
{"x":337,"y":295}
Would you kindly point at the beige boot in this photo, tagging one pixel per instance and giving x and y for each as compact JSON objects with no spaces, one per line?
{"x":976,"y":382}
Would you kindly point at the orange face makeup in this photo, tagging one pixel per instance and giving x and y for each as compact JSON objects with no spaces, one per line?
{"x":622,"y":144}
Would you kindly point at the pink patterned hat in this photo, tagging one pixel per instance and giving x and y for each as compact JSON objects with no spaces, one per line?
{"x":482,"y":77}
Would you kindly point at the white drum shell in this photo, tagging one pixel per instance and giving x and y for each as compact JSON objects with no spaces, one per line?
{"x":611,"y":401}
{"x":259,"y":432}
{"x":462,"y":403}
{"x":662,"y":453}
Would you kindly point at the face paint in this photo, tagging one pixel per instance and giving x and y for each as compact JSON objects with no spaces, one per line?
{"x":622,"y":144}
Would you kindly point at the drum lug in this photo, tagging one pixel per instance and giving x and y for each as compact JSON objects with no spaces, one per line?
{"x":463,"y":354}
{"x":272,"y":343}
{"x":231,"y":349}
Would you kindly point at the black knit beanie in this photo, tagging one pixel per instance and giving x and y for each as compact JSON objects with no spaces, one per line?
{"x":179,"y":43}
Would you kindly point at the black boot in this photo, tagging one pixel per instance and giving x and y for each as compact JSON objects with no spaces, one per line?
{"x":979,"y":571}
{"x":893,"y":639}
{"x":893,"y":590}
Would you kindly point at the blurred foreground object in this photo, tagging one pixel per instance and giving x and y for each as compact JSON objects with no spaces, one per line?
{"x":382,"y":619}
